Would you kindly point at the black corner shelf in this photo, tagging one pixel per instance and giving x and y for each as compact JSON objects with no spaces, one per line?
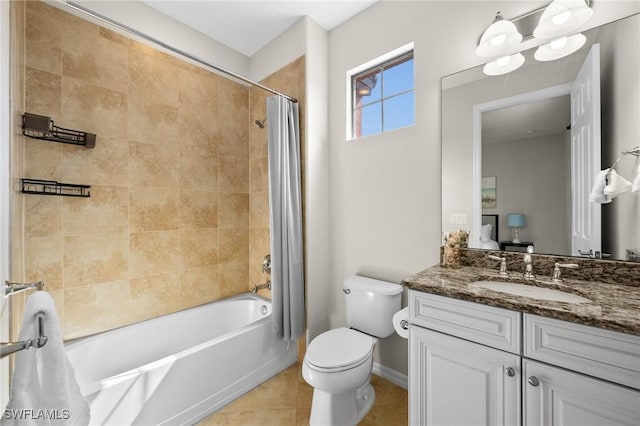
{"x":42,"y":127}
{"x":51,"y":187}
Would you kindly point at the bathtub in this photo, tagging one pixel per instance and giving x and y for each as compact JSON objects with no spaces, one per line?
{"x":179,"y":368}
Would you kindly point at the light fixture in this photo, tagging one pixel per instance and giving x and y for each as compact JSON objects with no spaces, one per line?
{"x":556,"y":23}
{"x":504,"y":64}
{"x":562,"y":17}
{"x":516,"y":221}
{"x":560,"y":47}
{"x":499,"y":39}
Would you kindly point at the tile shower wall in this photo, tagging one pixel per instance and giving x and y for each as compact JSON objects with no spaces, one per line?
{"x":291,"y":80}
{"x":167,"y":224}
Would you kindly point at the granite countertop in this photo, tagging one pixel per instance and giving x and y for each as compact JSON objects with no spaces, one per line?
{"x":613,"y":307}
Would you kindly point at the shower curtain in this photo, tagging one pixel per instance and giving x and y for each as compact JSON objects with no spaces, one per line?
{"x":285,"y":218}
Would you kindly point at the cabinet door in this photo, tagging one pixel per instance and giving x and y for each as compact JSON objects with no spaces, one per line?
{"x":456,"y":382}
{"x":556,"y":397}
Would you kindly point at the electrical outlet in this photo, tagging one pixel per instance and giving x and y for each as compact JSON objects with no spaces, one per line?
{"x":459,"y":218}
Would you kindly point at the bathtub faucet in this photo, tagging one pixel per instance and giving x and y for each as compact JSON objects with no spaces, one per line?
{"x":259,"y":287}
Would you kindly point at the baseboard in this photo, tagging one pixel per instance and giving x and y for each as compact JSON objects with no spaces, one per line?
{"x":391,"y":375}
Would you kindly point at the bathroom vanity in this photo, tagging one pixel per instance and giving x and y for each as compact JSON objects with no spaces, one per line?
{"x":484,"y":356}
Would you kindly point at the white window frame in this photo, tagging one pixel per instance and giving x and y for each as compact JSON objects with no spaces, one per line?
{"x":376,"y":62}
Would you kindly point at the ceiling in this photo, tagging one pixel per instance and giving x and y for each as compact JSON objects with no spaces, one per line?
{"x":247,"y":26}
{"x":529,"y":120}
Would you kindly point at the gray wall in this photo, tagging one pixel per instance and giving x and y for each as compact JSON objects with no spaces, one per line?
{"x":533,"y":184}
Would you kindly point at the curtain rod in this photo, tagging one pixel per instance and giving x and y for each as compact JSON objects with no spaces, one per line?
{"x":173,"y":49}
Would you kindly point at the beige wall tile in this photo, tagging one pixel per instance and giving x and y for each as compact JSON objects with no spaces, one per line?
{"x":106,"y":164}
{"x":233,"y":211}
{"x":153,"y":253}
{"x":153,"y":165}
{"x":97,"y":258}
{"x":198,"y":89}
{"x":259,"y":248}
{"x":259,"y":175}
{"x":198,"y":130}
{"x":94,"y":109}
{"x":152,"y":122}
{"x":198,"y":209}
{"x":43,"y":37}
{"x":198,"y":247}
{"x":199,"y":286}
{"x":234,"y":244}
{"x":43,"y":216}
{"x":198,"y":172}
{"x":154,"y":296}
{"x":43,"y":93}
{"x":233,"y":101}
{"x":259,"y":209}
{"x":43,"y":160}
{"x":43,"y":260}
{"x":234,"y":278}
{"x":152,"y":78}
{"x":95,"y":308}
{"x":93,"y":58}
{"x":106,"y":211}
{"x":234,"y":174}
{"x":153,"y":209}
{"x":234,"y":138}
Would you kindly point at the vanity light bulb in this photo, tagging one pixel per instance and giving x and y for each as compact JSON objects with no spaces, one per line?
{"x":558,"y":43}
{"x":503,"y":60}
{"x":561,"y":17}
{"x":498,"y":40}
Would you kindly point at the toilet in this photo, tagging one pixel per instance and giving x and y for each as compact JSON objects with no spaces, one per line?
{"x":338,"y":362}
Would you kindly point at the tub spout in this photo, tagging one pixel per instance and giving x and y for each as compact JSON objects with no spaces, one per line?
{"x":259,"y":287}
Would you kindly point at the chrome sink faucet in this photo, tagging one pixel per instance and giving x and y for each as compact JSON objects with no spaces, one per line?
{"x":528,"y":265}
{"x":503,"y":263}
{"x":556,"y":270}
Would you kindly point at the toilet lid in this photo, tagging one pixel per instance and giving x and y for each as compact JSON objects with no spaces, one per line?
{"x":338,"y":348}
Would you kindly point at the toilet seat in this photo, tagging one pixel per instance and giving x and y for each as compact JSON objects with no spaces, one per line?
{"x":339,"y":349}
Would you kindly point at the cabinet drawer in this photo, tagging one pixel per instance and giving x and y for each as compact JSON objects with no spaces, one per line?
{"x":599,"y":353}
{"x":487,"y":325}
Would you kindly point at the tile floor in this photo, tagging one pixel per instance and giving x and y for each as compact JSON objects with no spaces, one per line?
{"x":285,"y":400}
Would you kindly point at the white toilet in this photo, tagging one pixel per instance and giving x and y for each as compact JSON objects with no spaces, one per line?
{"x":338,"y":362}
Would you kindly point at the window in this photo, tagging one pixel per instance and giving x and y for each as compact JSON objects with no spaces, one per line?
{"x":382,"y":96}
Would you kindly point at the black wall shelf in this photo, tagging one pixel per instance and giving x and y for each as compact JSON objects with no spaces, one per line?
{"x":42,"y":127}
{"x":51,"y":187}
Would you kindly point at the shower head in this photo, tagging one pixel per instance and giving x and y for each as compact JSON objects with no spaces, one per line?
{"x":260,"y":123}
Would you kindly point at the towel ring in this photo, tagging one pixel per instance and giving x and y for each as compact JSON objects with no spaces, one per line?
{"x":633,"y":151}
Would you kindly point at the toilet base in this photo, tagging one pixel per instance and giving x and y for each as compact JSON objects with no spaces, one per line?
{"x":345,"y":409}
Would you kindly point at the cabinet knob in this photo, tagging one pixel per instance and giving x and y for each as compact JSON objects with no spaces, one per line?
{"x":509,"y":371}
{"x":533,"y":381}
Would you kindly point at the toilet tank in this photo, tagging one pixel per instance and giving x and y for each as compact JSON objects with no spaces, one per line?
{"x":370,"y":304}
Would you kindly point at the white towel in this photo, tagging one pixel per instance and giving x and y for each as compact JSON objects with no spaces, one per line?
{"x":635,"y":187}
{"x":597,"y":192}
{"x":44,"y":390}
{"x":616,"y":185}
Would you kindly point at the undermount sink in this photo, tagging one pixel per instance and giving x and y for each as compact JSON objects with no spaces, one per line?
{"x":530,"y":291}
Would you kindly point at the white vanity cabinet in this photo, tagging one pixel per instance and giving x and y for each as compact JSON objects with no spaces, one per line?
{"x":472,"y":364}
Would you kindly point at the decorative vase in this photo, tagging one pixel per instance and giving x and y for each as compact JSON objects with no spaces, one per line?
{"x":451,"y":257}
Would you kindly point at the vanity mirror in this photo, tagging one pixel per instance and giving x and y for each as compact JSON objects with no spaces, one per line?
{"x":517,"y":130}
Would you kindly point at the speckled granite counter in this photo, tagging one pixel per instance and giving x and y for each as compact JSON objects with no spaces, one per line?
{"x":614,"y":307}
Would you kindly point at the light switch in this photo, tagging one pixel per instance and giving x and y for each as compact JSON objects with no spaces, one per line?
{"x":459,"y":218}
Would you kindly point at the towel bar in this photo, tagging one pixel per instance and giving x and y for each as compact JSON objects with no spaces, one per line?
{"x":7,"y":348}
{"x":11,"y":288}
{"x":259,"y":287}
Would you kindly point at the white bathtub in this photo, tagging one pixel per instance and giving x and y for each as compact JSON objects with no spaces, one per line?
{"x":179,"y":368}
